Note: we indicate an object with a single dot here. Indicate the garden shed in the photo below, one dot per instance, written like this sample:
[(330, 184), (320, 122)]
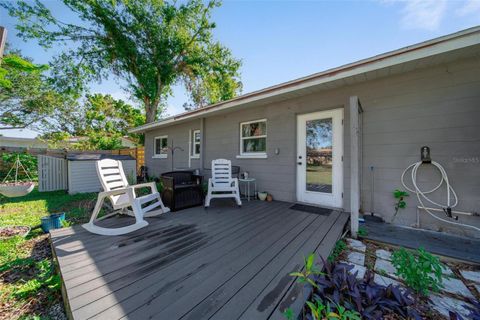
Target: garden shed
[(82, 174)]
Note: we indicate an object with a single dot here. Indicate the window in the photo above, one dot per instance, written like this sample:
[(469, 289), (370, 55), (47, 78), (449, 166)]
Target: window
[(195, 144), (253, 139), (160, 147)]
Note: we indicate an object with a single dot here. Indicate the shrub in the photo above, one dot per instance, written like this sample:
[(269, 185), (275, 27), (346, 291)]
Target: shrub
[(420, 270), (338, 294), (400, 204), (27, 160), (320, 310), (340, 246), (309, 271), (371, 300), (362, 232)]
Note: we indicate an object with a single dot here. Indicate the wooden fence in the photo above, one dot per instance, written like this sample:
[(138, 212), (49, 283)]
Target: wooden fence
[(137, 153), (52, 173)]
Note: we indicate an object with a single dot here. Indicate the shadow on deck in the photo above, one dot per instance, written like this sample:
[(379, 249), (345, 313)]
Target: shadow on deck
[(220, 263)]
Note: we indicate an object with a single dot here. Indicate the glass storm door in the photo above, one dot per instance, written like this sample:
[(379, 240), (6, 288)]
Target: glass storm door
[(319, 158)]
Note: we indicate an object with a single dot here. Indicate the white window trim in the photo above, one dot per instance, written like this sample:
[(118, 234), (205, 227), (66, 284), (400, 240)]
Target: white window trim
[(252, 155), (194, 155), (161, 155)]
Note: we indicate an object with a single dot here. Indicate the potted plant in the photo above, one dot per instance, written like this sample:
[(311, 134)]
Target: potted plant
[(262, 195)]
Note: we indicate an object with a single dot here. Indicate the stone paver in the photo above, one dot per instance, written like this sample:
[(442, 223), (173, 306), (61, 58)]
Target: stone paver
[(456, 286), (356, 268), (356, 245), (356, 258), (385, 266), (383, 254), (444, 304), (448, 272), (385, 281), (471, 275)]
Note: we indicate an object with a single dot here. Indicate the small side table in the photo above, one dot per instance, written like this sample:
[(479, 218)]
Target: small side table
[(247, 183)]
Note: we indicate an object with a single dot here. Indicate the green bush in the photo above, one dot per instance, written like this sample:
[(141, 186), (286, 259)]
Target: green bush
[(28, 161), (340, 246), (420, 270), (319, 310)]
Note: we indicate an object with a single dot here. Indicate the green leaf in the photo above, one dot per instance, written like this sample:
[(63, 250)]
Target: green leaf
[(297, 274), (310, 260)]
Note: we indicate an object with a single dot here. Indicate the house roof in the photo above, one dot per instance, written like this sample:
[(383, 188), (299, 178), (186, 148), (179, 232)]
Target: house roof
[(95, 157), (19, 139), (447, 48)]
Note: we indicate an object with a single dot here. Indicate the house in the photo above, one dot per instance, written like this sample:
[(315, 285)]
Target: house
[(342, 138), (126, 142), (18, 142)]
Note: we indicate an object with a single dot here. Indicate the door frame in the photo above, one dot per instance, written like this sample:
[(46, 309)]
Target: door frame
[(335, 199)]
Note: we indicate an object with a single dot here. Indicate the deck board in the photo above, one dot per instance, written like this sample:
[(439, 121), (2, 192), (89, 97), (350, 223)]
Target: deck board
[(220, 263)]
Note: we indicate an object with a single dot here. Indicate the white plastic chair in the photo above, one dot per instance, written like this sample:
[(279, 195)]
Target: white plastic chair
[(222, 181), (115, 185)]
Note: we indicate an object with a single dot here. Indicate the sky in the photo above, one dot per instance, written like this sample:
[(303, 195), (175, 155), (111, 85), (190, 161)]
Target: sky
[(279, 41)]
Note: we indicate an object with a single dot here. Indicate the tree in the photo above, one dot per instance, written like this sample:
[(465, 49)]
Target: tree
[(151, 44), (26, 97), (101, 121), (107, 120)]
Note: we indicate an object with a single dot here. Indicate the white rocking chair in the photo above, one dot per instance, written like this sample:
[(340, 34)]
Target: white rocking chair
[(116, 188), (222, 181)]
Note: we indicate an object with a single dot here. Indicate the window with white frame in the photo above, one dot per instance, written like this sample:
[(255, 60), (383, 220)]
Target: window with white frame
[(253, 138), (160, 145), (195, 152)]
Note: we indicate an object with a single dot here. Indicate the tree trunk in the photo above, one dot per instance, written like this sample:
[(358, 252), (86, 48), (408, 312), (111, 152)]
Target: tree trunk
[(150, 111)]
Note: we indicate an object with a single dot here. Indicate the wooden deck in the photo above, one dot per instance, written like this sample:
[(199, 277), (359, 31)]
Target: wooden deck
[(220, 263)]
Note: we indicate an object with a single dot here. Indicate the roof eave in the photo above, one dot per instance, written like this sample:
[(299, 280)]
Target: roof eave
[(458, 40)]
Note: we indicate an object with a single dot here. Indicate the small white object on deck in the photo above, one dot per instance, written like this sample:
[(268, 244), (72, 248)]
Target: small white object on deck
[(221, 184), (115, 185)]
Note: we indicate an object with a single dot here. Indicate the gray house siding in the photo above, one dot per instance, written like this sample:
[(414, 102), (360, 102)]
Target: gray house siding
[(438, 107), (179, 136), (277, 173)]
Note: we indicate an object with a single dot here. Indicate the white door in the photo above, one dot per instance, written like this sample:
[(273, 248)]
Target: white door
[(320, 158)]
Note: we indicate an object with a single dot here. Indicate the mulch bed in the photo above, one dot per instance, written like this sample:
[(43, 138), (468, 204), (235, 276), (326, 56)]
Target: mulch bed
[(44, 303), (10, 231)]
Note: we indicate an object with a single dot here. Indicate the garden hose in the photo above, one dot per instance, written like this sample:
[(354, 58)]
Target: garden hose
[(447, 208)]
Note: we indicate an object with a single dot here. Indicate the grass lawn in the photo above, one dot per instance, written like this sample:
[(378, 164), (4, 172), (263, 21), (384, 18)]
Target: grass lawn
[(319, 175), (30, 285)]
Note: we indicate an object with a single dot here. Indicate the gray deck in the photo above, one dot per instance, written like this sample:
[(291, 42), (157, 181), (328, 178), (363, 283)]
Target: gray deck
[(221, 263)]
